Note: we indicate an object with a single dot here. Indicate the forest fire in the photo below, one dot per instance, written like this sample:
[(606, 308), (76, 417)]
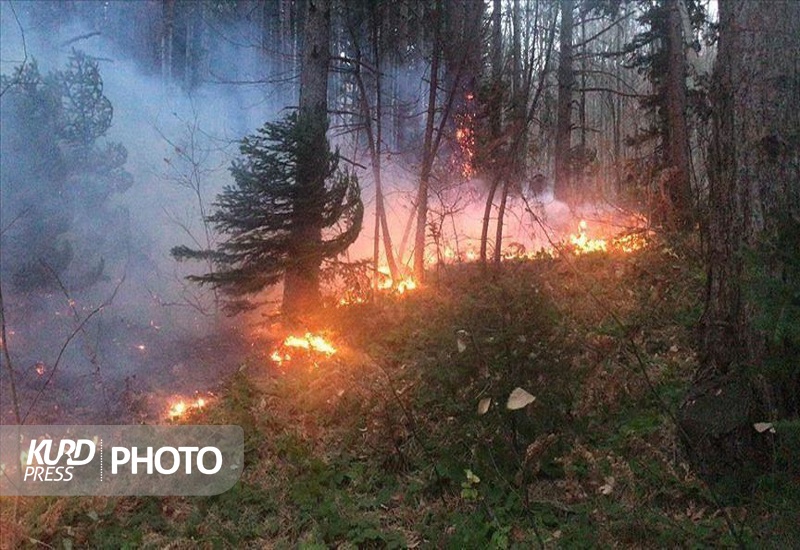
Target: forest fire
[(630, 242), (387, 284), (311, 344), (181, 406), (400, 287), (465, 138), (583, 244)]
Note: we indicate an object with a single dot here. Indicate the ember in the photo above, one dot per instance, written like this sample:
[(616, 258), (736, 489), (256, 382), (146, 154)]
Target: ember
[(180, 407)]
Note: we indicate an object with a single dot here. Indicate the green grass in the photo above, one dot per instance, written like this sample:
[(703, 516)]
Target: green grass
[(382, 445)]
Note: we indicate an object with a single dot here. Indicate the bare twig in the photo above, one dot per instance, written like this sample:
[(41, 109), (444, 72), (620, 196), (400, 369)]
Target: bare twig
[(24, 48), (69, 339), (7, 357), (15, 220), (79, 38)]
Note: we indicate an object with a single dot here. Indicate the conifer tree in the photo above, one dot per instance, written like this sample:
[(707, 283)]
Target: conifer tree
[(266, 212)]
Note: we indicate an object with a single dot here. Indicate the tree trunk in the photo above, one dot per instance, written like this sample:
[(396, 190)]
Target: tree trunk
[(167, 40), (495, 117), (514, 165), (563, 185), (679, 189), (428, 152), (301, 285), (755, 208)]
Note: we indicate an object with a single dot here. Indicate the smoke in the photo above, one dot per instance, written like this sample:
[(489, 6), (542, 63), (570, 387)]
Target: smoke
[(89, 286)]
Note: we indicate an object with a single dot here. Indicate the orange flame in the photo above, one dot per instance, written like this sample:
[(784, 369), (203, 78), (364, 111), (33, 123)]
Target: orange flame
[(180, 407), (311, 343), (386, 283), (583, 244), (465, 137)]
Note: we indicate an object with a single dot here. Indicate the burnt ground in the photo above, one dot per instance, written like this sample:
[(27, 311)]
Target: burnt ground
[(116, 372)]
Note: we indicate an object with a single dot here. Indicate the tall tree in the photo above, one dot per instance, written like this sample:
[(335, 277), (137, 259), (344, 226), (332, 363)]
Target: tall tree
[(373, 18), (290, 207), (678, 190), (751, 339), (429, 146), (301, 284), (659, 52), (566, 83), (64, 171), (495, 114)]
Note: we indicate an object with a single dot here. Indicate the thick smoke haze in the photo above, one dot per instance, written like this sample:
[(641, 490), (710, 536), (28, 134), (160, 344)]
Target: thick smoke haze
[(119, 302), (89, 286)]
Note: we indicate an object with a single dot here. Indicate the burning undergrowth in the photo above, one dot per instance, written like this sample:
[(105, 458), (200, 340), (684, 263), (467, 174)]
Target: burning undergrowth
[(400, 429), (97, 366)]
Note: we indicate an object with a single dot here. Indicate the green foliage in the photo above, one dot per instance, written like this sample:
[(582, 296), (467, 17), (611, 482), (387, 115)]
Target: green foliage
[(772, 286), (85, 113), (52, 127), (276, 220), (386, 446), (647, 53)]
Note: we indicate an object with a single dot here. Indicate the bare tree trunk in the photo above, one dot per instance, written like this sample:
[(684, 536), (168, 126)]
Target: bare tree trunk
[(755, 207), (515, 162), (167, 40), (375, 143), (487, 215), (498, 235), (495, 117), (616, 103), (563, 185), (301, 284), (428, 152), (679, 191)]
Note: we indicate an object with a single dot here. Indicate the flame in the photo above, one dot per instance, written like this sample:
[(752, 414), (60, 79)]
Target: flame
[(180, 407), (465, 137), (387, 284), (177, 409), (405, 285), (630, 242), (583, 244), (311, 343)]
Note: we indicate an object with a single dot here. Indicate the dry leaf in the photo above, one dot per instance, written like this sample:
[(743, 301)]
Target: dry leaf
[(762, 427), (519, 399), (483, 405), (461, 340), (608, 487)]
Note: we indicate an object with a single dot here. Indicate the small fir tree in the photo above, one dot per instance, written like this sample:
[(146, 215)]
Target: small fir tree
[(280, 224)]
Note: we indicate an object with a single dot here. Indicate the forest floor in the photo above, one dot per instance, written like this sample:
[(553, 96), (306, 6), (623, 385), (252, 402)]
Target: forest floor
[(403, 437)]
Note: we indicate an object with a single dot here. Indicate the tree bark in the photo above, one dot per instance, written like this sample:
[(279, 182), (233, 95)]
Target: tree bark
[(515, 163), (167, 40), (563, 180), (301, 284), (679, 189), (428, 151), (755, 207), (495, 117), (375, 142)]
